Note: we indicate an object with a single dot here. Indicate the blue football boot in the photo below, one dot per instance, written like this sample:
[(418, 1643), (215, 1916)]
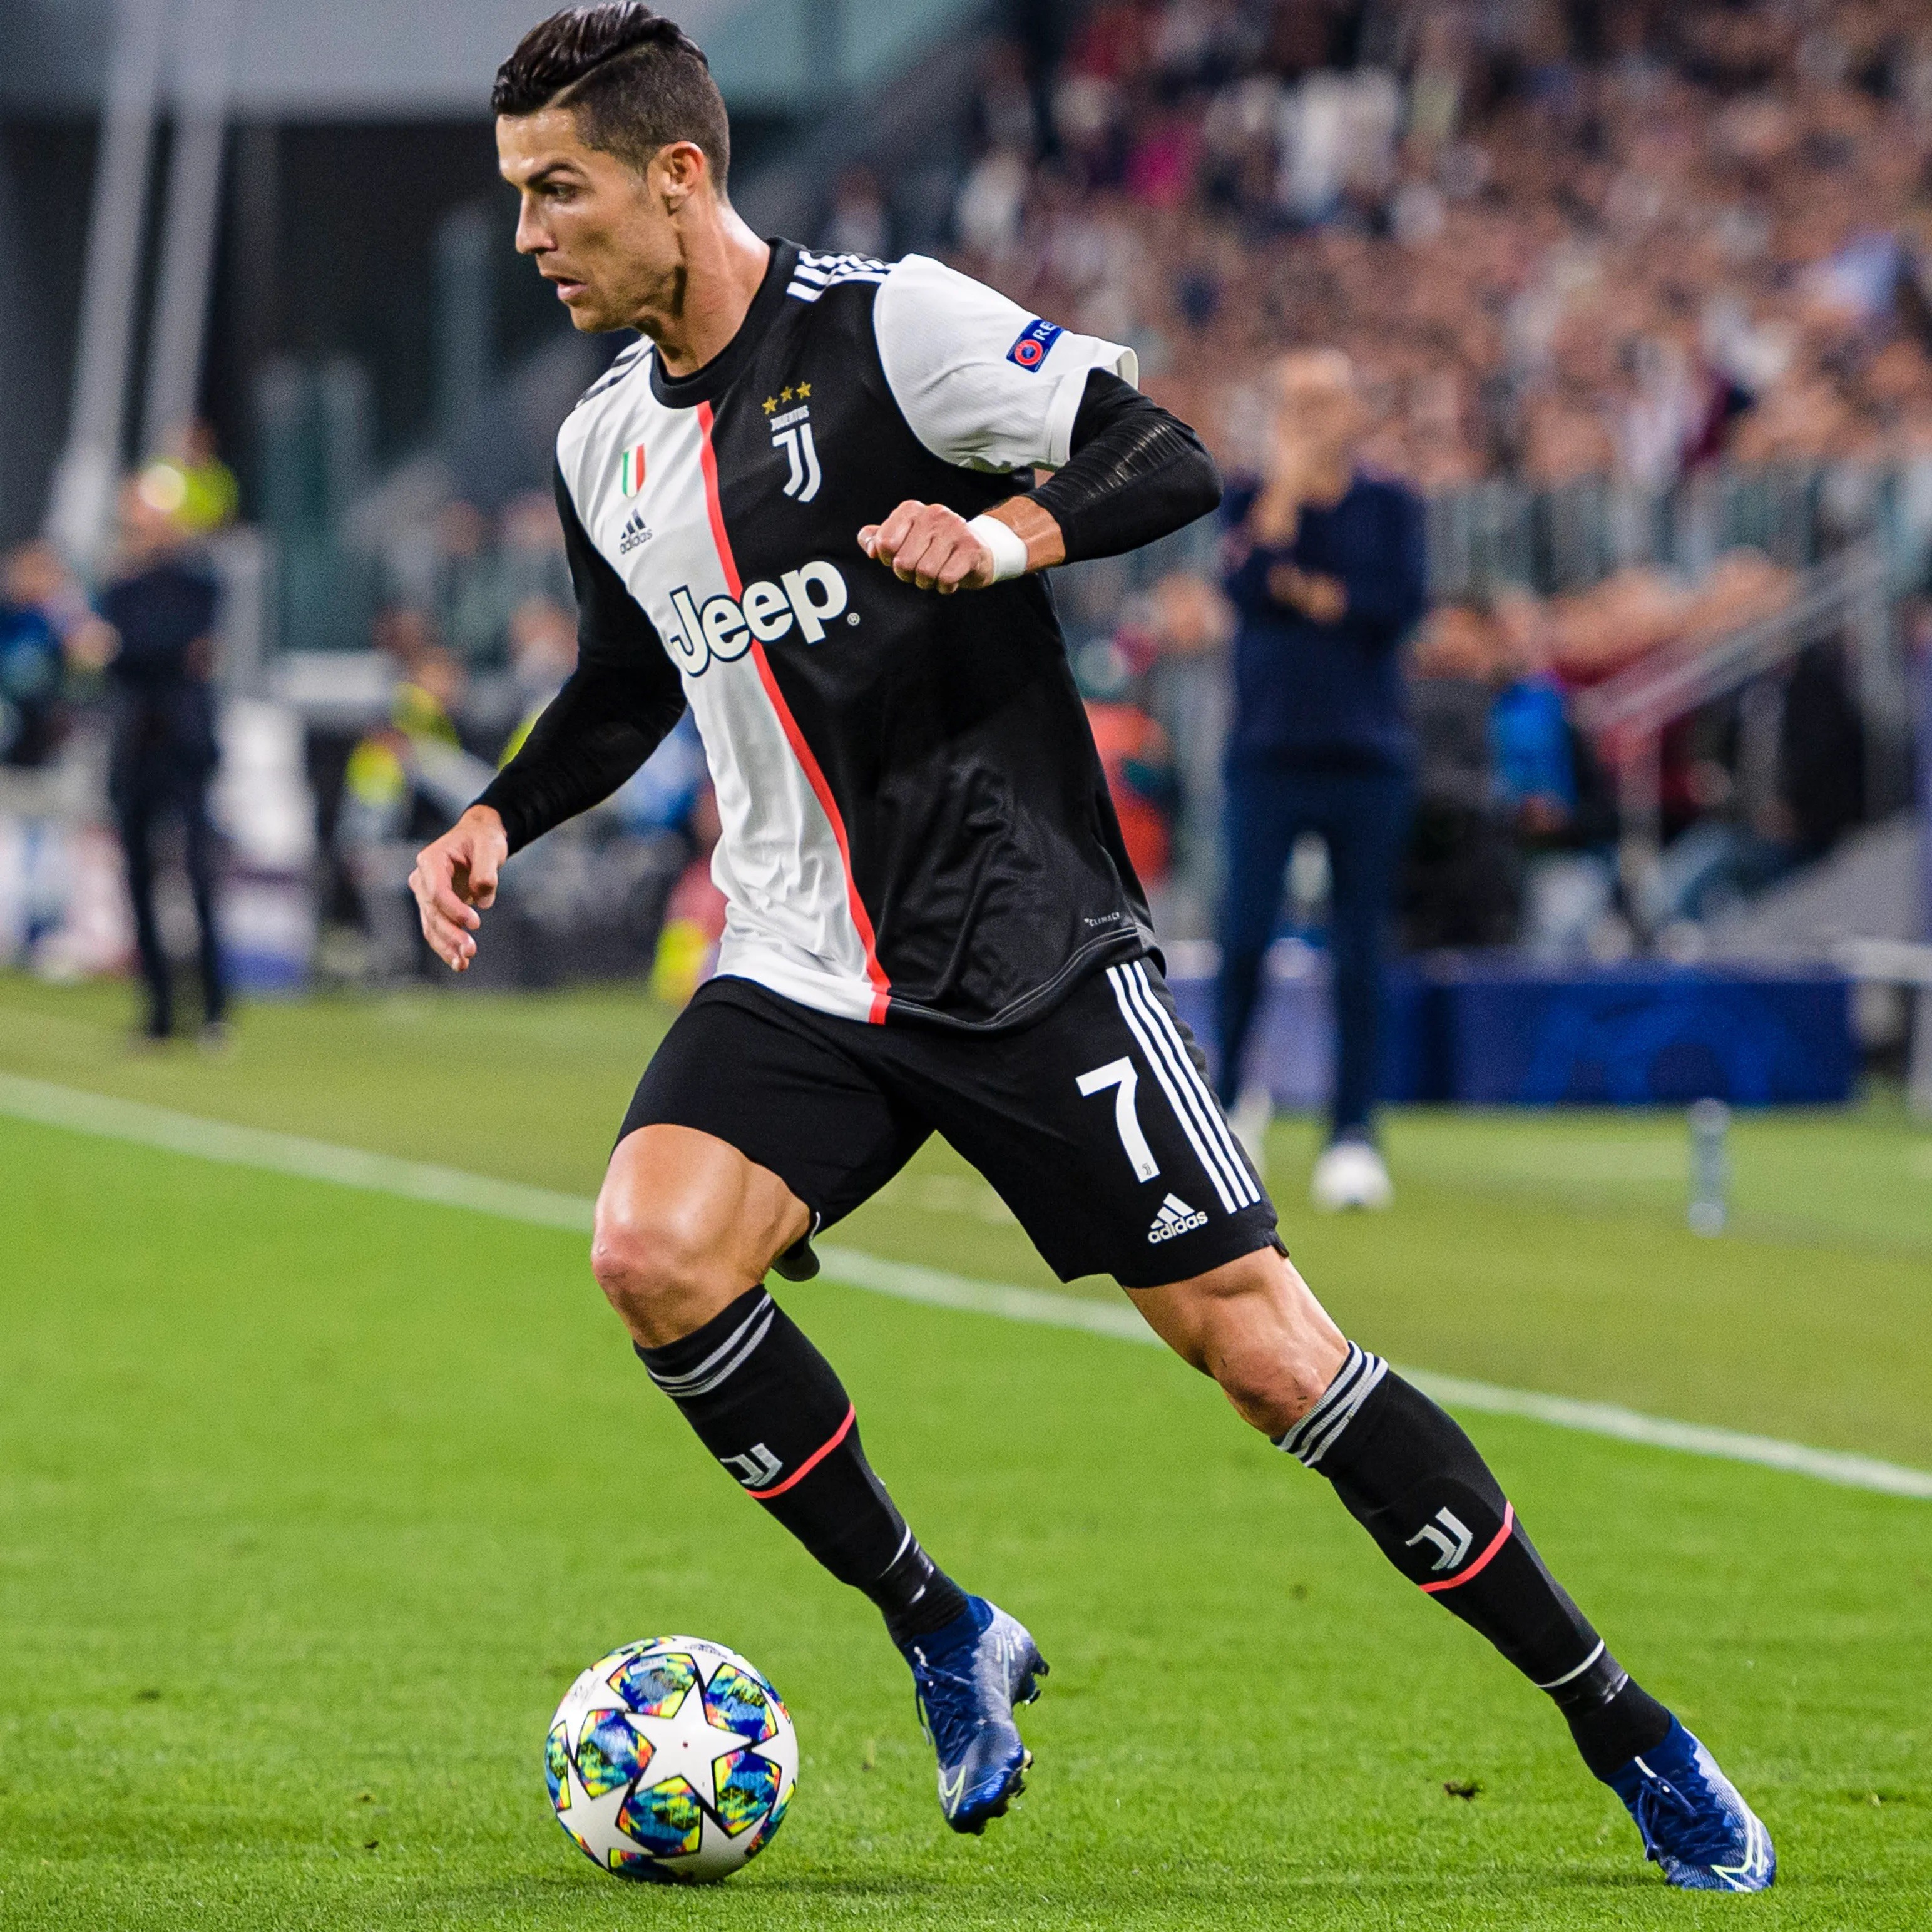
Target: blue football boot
[(969, 1675), (1694, 1824)]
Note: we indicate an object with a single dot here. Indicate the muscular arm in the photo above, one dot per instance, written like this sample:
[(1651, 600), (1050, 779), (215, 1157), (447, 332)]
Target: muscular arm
[(1136, 473), (593, 735), (613, 712)]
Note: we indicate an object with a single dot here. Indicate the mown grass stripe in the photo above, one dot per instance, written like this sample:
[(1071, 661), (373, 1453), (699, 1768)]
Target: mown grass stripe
[(49, 1105)]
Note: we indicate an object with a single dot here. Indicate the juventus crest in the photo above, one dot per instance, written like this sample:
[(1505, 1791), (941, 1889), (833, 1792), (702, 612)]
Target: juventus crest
[(789, 414)]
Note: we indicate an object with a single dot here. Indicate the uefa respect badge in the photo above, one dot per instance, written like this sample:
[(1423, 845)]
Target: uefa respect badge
[(1035, 339)]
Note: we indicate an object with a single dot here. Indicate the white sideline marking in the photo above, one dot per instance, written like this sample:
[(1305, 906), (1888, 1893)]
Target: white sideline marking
[(50, 1106), (135, 1120)]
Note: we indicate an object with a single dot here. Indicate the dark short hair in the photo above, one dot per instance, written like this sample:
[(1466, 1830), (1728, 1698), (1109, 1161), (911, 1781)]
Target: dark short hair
[(635, 81)]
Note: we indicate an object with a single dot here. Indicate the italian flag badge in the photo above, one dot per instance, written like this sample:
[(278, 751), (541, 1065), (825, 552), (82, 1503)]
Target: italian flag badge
[(630, 470)]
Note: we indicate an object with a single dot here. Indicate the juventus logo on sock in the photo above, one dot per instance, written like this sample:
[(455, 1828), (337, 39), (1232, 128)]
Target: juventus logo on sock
[(1453, 1539)]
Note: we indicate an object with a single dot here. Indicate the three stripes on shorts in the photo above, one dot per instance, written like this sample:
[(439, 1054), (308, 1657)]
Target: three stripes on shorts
[(1194, 1106)]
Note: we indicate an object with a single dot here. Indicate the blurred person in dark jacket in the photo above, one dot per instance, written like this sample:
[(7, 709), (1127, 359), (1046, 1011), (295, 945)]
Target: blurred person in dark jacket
[(1326, 568), (160, 606)]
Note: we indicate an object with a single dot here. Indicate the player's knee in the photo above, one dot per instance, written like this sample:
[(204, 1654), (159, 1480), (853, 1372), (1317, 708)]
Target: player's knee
[(1273, 1349), (1272, 1388), (649, 1258)]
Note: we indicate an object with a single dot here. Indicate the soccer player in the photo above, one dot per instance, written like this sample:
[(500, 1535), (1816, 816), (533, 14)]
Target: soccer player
[(804, 505)]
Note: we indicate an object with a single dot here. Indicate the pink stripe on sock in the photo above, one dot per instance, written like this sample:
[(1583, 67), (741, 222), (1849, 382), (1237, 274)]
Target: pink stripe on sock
[(1448, 1583), (818, 1456)]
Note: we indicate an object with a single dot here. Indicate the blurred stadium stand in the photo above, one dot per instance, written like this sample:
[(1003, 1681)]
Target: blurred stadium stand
[(1642, 296)]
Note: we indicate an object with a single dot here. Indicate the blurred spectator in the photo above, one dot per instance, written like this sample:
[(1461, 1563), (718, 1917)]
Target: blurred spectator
[(469, 610), (1326, 567), (531, 563), (33, 588), (991, 200), (31, 670), (1136, 758), (161, 604), (1004, 114), (543, 652), (1189, 625), (1821, 752), (857, 224), (404, 781), (191, 481), (1463, 881), (1731, 850), (403, 776)]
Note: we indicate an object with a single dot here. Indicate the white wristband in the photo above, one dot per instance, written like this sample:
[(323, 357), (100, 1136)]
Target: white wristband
[(1008, 546)]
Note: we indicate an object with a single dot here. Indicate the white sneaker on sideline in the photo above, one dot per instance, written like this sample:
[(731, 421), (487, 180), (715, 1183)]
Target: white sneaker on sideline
[(1351, 1174), (1253, 1112)]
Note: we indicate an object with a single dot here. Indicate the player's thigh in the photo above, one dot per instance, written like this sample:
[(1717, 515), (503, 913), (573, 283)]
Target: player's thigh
[(1098, 1128), (784, 1088)]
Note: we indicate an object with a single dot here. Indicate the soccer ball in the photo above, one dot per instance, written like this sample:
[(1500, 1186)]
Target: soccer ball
[(671, 1759)]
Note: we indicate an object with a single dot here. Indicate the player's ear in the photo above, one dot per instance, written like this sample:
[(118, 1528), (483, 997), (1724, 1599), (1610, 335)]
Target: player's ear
[(681, 169)]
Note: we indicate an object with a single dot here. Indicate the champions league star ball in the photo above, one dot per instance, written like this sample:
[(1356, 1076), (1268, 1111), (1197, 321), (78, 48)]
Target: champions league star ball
[(671, 1759)]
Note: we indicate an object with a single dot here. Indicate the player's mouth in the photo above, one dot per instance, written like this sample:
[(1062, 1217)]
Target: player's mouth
[(567, 289)]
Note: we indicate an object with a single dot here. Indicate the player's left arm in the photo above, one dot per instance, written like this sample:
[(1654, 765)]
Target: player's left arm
[(1136, 473), (985, 386)]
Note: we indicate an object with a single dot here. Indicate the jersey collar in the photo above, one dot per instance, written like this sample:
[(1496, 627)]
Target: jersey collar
[(708, 382)]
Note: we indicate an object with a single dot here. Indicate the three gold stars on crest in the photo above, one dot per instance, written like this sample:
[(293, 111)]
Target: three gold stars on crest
[(803, 391)]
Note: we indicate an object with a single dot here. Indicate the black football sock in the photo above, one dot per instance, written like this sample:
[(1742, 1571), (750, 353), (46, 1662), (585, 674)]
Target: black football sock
[(767, 1404), (1414, 1480)]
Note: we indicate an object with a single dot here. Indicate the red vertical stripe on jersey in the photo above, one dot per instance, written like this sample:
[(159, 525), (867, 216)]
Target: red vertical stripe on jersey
[(808, 763)]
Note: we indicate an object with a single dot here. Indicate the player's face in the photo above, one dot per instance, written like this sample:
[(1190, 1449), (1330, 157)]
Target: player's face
[(605, 235)]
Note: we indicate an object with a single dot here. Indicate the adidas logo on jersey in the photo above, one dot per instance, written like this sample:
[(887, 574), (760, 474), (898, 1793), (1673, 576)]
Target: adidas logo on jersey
[(1175, 1217), (808, 598), (635, 532)]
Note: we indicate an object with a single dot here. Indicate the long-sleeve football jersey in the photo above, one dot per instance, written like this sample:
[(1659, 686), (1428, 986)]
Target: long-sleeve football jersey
[(915, 822)]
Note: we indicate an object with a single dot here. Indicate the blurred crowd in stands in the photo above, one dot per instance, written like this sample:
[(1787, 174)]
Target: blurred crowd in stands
[(1558, 239)]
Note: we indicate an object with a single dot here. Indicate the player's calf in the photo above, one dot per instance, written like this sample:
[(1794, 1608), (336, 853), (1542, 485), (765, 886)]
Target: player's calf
[(1410, 1475)]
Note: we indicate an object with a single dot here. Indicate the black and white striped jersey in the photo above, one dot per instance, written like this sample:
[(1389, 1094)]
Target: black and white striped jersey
[(915, 822)]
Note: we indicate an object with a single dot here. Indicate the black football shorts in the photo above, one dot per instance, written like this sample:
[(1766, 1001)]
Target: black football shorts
[(1096, 1125)]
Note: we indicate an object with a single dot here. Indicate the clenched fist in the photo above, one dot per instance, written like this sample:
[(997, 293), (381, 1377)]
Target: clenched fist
[(929, 545)]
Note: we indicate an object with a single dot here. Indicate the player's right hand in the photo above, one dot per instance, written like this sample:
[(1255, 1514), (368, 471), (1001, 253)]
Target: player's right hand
[(930, 545), (455, 878)]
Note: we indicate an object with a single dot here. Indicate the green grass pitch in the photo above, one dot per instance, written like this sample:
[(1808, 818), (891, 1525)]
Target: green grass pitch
[(312, 1502)]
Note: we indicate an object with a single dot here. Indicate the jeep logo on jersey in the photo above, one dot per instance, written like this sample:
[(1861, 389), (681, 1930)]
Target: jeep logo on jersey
[(724, 627), (1035, 339)]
